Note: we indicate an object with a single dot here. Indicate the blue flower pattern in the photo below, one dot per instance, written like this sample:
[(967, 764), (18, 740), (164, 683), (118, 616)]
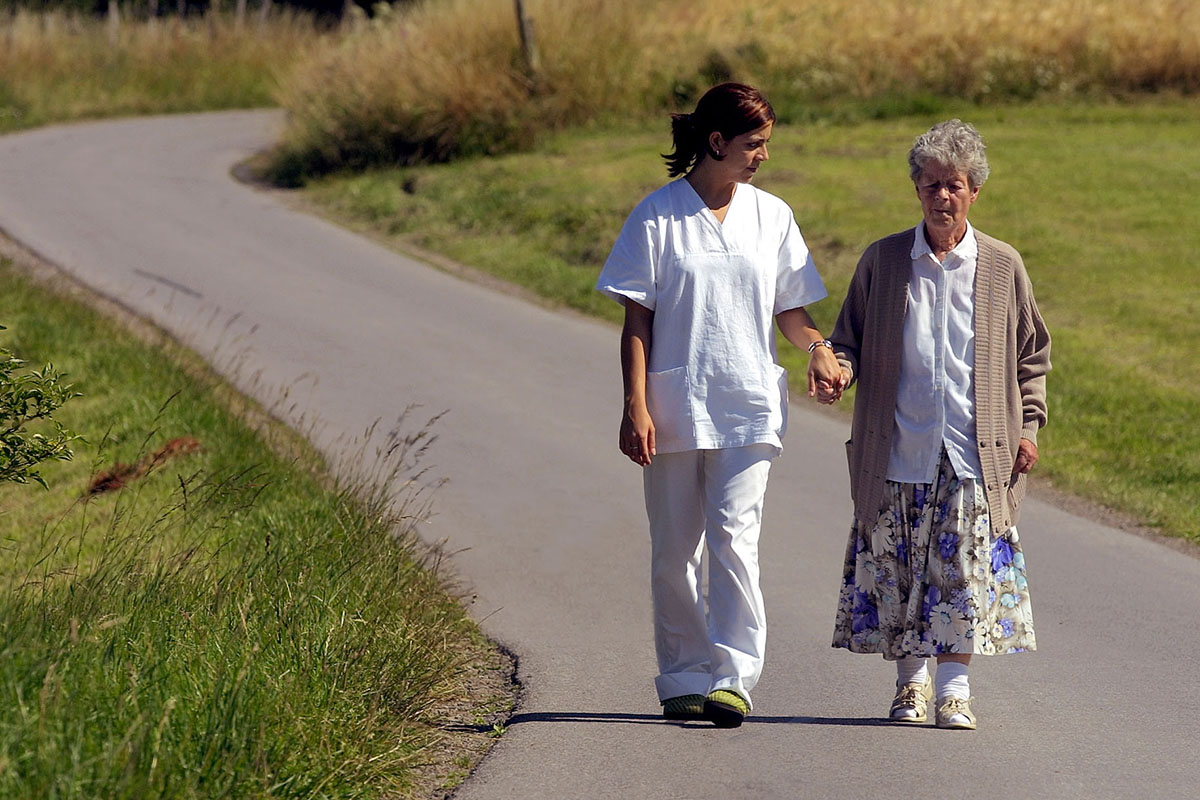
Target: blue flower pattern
[(928, 576), (866, 616), (933, 596), (948, 545), (1002, 554)]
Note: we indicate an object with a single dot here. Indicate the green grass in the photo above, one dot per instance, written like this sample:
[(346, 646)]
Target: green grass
[(234, 624), (1098, 199)]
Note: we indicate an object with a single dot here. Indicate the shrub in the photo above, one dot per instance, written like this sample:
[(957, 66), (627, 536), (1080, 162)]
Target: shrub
[(27, 399)]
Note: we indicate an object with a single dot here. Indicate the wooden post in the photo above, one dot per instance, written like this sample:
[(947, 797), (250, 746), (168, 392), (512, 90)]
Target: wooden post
[(529, 51), (114, 21)]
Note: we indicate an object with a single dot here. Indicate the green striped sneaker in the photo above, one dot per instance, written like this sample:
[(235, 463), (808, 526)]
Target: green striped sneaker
[(685, 707), (725, 709)]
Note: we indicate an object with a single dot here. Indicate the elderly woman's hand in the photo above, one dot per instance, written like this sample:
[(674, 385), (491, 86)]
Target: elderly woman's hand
[(826, 378), (828, 394), (1027, 456)]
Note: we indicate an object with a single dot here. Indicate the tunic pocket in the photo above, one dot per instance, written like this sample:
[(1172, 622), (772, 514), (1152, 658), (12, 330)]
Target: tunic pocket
[(669, 404)]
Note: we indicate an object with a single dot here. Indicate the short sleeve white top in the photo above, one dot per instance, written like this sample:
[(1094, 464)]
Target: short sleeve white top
[(713, 380)]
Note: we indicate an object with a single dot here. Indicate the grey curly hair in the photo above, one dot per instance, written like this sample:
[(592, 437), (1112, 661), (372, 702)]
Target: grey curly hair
[(954, 144)]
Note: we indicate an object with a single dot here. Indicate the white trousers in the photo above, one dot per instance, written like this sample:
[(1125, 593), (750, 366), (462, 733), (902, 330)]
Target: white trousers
[(713, 499)]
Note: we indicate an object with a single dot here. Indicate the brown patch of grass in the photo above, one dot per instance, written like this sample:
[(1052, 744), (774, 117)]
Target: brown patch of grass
[(121, 475)]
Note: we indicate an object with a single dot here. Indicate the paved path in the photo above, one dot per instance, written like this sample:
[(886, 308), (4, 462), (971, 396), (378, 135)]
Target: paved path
[(549, 516)]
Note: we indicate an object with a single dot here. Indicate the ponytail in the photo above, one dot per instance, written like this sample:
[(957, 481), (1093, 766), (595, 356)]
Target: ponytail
[(687, 145)]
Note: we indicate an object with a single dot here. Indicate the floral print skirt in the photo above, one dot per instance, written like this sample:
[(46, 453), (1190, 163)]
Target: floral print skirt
[(928, 576)]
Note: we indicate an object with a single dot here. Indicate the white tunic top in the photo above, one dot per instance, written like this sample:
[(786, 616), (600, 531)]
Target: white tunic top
[(713, 380), (935, 404)]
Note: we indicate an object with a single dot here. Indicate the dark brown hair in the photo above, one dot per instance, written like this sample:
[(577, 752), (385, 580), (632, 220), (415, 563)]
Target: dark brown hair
[(731, 109)]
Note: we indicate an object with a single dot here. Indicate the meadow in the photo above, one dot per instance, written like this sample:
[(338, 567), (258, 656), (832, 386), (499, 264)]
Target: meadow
[(235, 618), (1094, 195), (57, 66), (446, 78)]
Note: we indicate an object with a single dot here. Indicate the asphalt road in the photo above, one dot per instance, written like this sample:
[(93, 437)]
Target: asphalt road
[(548, 519)]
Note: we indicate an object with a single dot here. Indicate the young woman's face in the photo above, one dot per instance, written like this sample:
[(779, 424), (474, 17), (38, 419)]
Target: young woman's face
[(743, 154)]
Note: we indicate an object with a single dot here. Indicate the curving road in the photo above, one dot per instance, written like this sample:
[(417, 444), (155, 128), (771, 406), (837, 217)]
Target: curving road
[(548, 516)]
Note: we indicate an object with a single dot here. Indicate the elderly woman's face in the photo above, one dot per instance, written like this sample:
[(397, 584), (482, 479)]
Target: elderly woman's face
[(946, 196)]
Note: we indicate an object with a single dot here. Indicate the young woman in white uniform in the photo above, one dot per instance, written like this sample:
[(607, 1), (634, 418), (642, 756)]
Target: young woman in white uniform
[(704, 267)]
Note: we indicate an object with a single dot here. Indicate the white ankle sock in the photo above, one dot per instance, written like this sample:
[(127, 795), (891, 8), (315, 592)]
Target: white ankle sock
[(911, 670), (951, 680)]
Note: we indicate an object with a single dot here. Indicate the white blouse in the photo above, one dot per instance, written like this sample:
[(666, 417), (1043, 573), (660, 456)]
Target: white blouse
[(713, 380), (935, 404)]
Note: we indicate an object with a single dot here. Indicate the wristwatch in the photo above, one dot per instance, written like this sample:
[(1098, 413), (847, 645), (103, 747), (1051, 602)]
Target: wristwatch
[(820, 343)]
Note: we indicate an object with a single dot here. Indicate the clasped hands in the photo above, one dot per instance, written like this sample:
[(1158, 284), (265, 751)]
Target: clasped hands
[(827, 379)]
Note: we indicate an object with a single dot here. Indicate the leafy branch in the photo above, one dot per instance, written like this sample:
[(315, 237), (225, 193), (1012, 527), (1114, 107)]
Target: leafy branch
[(27, 398)]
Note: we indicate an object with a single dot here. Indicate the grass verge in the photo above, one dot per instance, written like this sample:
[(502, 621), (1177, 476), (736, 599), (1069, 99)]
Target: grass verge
[(231, 623), (1094, 196)]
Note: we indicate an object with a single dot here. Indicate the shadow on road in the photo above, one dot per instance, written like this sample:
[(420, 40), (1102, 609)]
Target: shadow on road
[(655, 719)]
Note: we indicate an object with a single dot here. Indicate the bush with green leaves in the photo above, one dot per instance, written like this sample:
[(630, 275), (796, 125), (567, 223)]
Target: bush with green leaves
[(28, 401)]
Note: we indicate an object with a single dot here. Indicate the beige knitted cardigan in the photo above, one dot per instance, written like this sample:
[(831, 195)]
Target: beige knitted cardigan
[(1012, 357)]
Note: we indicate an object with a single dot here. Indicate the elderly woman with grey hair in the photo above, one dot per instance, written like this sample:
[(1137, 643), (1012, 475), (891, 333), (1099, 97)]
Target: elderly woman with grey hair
[(941, 333)]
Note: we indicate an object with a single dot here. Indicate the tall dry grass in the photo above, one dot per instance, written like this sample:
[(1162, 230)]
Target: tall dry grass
[(58, 66), (429, 81), (442, 78), (996, 49)]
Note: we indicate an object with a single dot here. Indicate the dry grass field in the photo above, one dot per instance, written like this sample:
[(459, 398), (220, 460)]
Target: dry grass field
[(439, 79), (57, 66)]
